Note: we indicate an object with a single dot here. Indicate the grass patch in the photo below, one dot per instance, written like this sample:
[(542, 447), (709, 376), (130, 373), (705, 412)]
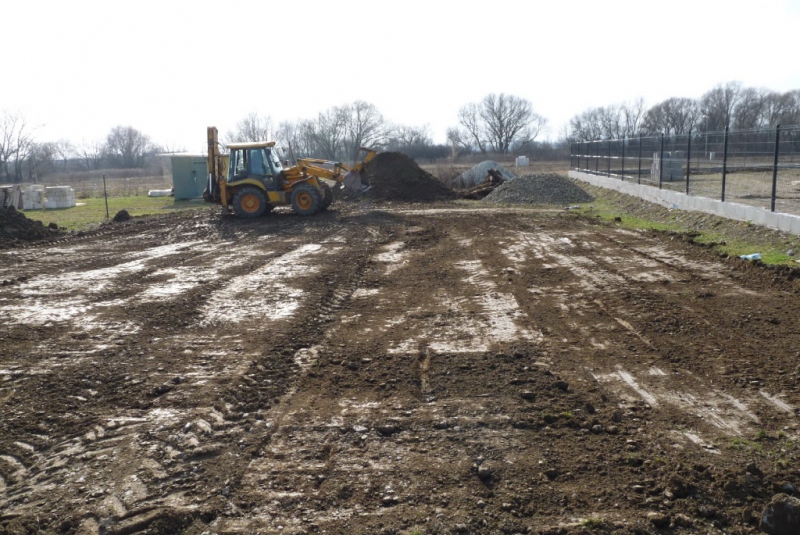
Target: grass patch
[(605, 211), (771, 253), (93, 211), (594, 523)]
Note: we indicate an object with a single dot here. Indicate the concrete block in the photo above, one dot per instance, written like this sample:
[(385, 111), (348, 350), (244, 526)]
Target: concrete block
[(59, 197), (681, 201)]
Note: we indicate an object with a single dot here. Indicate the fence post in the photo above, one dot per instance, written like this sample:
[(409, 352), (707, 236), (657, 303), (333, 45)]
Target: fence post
[(608, 169), (688, 161), (639, 175), (775, 166), (597, 158), (661, 162), (622, 173), (586, 153), (724, 163), (105, 194)]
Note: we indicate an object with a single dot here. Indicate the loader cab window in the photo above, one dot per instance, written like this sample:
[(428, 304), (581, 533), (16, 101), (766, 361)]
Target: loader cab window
[(257, 163), (250, 162), (276, 162)]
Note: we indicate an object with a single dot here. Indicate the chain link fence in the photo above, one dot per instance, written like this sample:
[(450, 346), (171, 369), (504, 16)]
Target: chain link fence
[(758, 167)]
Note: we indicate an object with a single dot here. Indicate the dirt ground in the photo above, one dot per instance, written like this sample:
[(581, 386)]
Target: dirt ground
[(392, 369)]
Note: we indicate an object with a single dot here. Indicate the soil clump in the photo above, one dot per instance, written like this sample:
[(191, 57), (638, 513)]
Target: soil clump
[(547, 188), (15, 227), (122, 216), (393, 176)]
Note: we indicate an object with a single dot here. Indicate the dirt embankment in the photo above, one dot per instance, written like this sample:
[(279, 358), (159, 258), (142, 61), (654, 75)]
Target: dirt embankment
[(15, 227), (396, 177)]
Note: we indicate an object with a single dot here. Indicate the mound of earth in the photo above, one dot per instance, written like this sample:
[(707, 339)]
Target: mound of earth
[(477, 174), (396, 177), (15, 227), (539, 189)]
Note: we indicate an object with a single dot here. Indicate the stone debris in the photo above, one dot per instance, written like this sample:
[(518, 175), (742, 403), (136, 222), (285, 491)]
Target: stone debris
[(477, 174), (539, 189), (781, 516)]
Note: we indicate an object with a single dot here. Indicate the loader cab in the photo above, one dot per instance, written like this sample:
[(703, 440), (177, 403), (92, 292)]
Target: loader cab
[(257, 161)]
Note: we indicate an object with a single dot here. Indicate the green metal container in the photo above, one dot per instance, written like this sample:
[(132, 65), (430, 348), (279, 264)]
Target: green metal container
[(189, 174)]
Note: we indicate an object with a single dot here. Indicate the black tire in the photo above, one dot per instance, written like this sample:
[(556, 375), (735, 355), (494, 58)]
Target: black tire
[(306, 199), (249, 202), (327, 197), (268, 208)]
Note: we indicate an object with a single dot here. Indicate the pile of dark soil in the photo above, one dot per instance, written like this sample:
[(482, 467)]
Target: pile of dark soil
[(547, 188), (15, 227), (396, 177)]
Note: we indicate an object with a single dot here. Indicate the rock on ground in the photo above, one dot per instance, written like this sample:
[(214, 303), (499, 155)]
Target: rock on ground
[(781, 516), (539, 189)]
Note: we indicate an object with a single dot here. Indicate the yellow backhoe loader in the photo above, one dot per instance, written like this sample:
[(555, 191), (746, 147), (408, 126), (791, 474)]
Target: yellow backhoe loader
[(251, 180)]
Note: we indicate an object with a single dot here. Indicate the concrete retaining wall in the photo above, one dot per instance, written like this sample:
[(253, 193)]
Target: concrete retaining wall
[(681, 201)]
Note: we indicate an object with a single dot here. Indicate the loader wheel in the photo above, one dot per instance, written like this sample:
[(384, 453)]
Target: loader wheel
[(306, 200), (249, 202), (327, 197)]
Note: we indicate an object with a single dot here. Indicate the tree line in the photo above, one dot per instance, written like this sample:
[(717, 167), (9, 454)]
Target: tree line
[(23, 158), (729, 105), (497, 124)]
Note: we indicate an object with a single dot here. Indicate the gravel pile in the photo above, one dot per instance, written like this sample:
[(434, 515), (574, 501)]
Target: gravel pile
[(538, 189), (477, 174), (393, 176)]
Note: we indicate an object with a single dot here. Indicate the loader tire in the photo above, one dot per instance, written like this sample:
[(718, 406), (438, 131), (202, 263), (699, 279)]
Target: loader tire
[(327, 197), (306, 200), (249, 202)]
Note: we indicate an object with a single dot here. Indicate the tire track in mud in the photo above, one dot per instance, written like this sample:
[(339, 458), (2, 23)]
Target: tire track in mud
[(643, 300), (206, 432), (401, 395)]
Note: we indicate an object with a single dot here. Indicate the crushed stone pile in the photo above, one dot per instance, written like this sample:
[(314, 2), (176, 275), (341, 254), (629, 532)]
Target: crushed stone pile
[(477, 174), (15, 227), (393, 176), (539, 189)]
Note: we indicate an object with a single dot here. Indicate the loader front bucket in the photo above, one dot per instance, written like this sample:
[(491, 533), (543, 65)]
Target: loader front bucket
[(353, 184)]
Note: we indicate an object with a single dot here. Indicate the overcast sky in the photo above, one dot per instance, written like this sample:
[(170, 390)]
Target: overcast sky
[(75, 69)]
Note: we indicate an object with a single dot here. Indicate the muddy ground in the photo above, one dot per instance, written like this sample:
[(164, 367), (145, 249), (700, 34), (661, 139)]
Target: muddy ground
[(445, 369)]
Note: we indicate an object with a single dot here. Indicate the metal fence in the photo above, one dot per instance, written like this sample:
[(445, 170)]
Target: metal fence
[(759, 167)]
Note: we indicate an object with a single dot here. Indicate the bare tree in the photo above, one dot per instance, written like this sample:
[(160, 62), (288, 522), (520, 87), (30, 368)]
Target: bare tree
[(15, 145), (253, 127), (633, 115), (587, 125), (90, 153), (329, 131), (406, 136), (41, 160), (364, 126), (719, 104), (459, 141), (298, 135), (127, 147), (471, 126), (674, 116), (501, 122), (64, 149)]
